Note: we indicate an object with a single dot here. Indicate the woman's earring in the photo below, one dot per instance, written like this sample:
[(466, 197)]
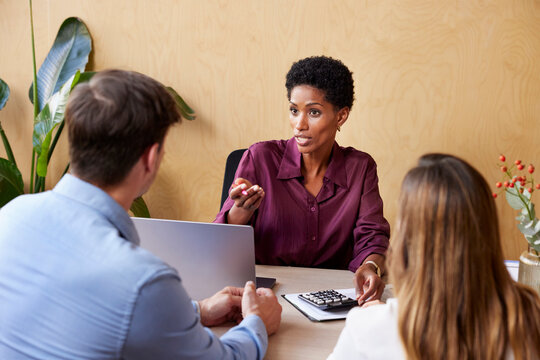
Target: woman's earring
[(338, 128)]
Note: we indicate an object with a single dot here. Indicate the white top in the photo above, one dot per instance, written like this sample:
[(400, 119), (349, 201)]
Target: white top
[(370, 333)]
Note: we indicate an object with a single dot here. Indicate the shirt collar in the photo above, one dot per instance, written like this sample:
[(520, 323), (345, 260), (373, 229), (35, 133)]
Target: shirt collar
[(83, 192), (337, 169), (290, 166)]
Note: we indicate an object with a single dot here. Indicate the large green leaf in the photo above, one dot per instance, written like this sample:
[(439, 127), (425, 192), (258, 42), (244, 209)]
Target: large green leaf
[(139, 208), (86, 76), (11, 182), (185, 111), (47, 120), (4, 93), (42, 162), (68, 55)]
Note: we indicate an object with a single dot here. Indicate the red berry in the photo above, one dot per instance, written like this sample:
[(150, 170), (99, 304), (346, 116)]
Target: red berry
[(521, 190), (530, 190), (494, 195), (506, 184), (522, 183), (502, 158), (511, 185), (503, 168), (514, 179), (520, 167), (537, 186), (499, 184), (517, 162), (530, 169)]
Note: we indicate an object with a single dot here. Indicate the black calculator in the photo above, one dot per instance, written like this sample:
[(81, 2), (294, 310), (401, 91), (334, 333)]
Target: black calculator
[(328, 299)]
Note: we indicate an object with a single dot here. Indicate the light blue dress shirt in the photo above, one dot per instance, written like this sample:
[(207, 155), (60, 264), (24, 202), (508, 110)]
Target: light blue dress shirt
[(74, 284)]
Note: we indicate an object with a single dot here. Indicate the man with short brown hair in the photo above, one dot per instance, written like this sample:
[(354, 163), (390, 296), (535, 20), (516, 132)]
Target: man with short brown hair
[(74, 284)]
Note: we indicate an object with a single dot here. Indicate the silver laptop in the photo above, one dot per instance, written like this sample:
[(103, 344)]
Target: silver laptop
[(208, 256)]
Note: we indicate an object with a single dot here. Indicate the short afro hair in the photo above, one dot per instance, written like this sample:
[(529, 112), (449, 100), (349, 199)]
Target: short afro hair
[(326, 74)]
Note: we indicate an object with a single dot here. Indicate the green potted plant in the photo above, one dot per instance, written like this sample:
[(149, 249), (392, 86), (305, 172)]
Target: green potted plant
[(518, 186), (62, 69)]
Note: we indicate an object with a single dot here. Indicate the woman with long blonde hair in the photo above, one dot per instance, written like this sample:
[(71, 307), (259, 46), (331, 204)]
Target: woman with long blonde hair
[(454, 296)]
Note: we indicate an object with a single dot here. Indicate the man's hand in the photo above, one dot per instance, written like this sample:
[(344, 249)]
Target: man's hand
[(223, 306), (369, 286), (263, 303)]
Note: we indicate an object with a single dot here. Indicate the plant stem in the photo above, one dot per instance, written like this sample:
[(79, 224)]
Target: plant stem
[(9, 152), (34, 88), (34, 93), (32, 171), (66, 169), (36, 183), (40, 184), (55, 140)]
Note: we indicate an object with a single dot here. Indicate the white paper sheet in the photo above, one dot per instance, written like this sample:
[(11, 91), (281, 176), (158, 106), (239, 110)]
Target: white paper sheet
[(513, 268), (315, 314)]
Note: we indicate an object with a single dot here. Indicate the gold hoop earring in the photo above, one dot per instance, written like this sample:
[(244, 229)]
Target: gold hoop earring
[(338, 128)]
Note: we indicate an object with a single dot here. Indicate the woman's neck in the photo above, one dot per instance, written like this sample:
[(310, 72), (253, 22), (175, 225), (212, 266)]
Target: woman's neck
[(315, 164), (314, 167)]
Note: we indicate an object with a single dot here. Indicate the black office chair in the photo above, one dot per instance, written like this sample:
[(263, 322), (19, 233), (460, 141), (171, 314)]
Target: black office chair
[(230, 169)]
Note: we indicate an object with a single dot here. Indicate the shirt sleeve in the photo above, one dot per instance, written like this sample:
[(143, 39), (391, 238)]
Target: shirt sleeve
[(166, 326), (372, 231), (247, 170)]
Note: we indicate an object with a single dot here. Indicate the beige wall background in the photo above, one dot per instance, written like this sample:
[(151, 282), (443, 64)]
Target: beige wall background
[(461, 77)]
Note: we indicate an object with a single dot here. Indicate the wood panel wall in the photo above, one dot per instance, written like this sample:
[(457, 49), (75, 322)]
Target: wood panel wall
[(453, 76)]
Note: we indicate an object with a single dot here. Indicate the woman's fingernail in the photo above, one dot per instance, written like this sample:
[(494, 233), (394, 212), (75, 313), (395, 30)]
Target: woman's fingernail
[(244, 192), (256, 188)]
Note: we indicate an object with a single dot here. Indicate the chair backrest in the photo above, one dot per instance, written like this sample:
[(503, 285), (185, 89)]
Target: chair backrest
[(230, 169)]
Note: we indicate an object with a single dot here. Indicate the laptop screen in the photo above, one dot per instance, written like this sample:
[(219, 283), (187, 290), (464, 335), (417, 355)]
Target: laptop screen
[(207, 256)]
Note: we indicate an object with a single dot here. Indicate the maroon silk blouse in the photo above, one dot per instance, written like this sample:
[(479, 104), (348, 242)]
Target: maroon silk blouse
[(337, 229)]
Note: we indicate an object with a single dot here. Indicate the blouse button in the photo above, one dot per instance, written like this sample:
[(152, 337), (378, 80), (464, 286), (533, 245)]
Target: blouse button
[(313, 209), (313, 238)]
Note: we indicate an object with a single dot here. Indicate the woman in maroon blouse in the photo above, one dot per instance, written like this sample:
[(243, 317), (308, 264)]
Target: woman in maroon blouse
[(310, 201)]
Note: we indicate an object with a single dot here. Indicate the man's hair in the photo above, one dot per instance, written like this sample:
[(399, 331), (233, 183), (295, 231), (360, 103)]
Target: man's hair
[(326, 74), (456, 298), (112, 120)]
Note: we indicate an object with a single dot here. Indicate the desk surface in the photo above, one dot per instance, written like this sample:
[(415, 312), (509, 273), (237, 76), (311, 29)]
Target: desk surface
[(298, 337)]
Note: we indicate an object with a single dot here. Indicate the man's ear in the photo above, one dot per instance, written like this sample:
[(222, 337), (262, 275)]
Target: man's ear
[(343, 115), (151, 157)]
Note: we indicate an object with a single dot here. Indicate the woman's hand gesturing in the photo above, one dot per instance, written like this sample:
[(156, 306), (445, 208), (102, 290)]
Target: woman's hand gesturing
[(247, 198)]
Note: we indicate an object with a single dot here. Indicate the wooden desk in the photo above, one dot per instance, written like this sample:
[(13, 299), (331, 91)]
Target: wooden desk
[(298, 337)]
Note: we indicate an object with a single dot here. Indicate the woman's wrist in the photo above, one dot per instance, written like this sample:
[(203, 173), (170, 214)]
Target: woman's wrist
[(239, 216), (375, 262), (374, 266)]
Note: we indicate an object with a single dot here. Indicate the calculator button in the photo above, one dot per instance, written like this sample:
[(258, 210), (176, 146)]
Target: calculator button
[(327, 299)]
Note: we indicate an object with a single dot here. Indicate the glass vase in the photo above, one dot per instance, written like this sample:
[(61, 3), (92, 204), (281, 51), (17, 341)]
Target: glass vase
[(529, 269)]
